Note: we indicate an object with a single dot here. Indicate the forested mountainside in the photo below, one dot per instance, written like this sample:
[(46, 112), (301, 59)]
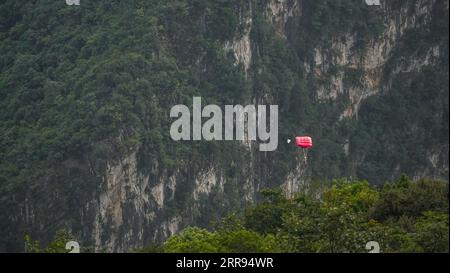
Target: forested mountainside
[(86, 92)]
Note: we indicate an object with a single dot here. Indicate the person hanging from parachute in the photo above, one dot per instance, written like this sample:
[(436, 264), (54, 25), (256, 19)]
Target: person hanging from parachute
[(306, 143)]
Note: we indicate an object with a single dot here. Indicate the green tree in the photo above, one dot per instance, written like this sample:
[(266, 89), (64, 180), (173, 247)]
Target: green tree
[(57, 245), (431, 232), (193, 240)]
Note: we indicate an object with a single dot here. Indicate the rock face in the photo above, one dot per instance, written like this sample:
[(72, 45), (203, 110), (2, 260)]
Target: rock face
[(373, 60), (241, 45), (278, 12), (127, 192), (130, 207)]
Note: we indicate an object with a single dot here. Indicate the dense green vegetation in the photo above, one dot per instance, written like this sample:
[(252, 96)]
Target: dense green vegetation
[(403, 216), (341, 216), (81, 87)]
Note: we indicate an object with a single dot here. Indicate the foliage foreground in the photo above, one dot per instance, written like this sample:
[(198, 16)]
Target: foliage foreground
[(341, 217)]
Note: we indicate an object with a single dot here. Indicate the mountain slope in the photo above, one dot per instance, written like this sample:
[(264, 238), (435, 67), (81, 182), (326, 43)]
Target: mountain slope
[(86, 91)]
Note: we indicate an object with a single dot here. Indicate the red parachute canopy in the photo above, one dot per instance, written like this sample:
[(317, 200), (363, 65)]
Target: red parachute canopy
[(304, 142)]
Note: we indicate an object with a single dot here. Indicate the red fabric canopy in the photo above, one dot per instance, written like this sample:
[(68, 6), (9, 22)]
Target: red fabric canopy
[(304, 142)]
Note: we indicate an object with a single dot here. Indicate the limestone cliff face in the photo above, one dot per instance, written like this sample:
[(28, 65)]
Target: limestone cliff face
[(331, 66), (129, 206), (370, 62), (132, 208), (278, 12), (373, 60), (241, 45)]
